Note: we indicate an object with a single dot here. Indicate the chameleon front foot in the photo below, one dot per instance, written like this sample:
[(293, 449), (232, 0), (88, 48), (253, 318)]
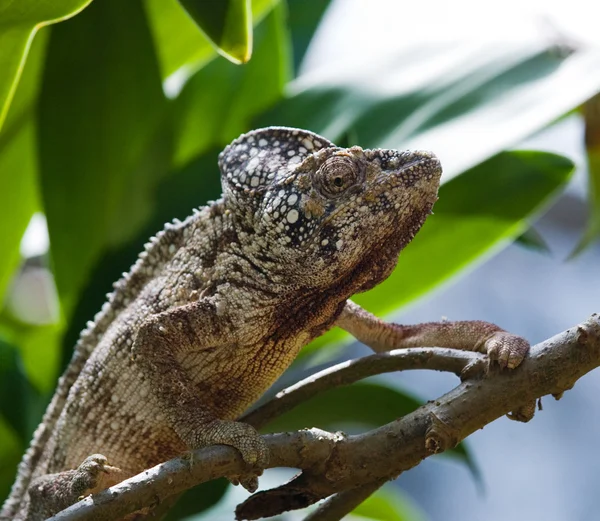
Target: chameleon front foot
[(507, 349), (90, 475), (242, 437)]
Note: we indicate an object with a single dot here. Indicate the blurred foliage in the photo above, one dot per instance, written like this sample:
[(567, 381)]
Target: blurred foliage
[(387, 505), (591, 114), (110, 137)]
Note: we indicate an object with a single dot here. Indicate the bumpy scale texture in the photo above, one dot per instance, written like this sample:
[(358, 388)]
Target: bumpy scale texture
[(218, 306)]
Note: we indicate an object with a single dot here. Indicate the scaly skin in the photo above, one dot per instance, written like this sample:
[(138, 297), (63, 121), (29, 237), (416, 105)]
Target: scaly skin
[(218, 306)]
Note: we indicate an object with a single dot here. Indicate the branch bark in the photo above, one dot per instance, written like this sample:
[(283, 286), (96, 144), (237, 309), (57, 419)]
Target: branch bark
[(334, 463)]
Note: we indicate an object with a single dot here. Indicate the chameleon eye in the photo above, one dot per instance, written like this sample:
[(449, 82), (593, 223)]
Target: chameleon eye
[(337, 175)]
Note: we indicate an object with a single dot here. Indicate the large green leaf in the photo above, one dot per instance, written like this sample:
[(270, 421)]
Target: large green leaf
[(218, 102), (178, 41), (18, 165), (19, 21), (103, 137), (466, 103), (477, 213)]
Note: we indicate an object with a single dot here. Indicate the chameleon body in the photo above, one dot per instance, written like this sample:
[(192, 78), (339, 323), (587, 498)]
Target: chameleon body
[(218, 306)]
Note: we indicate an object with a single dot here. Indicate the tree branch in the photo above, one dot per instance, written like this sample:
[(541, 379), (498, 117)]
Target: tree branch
[(334, 463)]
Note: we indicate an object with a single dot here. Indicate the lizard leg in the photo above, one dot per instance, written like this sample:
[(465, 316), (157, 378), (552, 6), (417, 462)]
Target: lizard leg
[(473, 335), (52, 493), (159, 344)]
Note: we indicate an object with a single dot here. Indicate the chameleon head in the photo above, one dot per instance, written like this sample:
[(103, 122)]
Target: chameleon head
[(329, 212)]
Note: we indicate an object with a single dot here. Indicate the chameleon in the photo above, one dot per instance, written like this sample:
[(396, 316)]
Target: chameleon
[(217, 307)]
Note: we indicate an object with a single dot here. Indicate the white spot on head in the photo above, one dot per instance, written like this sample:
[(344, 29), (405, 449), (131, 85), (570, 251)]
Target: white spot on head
[(291, 152), (254, 181), (292, 216), (292, 199), (324, 242), (252, 164), (171, 249), (339, 244), (308, 143), (262, 143)]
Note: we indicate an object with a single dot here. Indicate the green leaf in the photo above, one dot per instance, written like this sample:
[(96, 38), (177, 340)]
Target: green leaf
[(465, 104), (591, 111), (227, 24), (477, 213), (532, 239), (177, 39), (366, 405), (18, 165), (19, 21), (11, 449), (219, 101), (19, 400), (347, 407), (103, 137), (388, 505), (198, 499)]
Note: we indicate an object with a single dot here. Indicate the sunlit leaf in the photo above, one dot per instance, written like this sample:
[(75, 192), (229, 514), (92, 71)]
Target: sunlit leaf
[(219, 101), (477, 213), (18, 165), (19, 21), (103, 136), (466, 103), (227, 24), (177, 38)]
